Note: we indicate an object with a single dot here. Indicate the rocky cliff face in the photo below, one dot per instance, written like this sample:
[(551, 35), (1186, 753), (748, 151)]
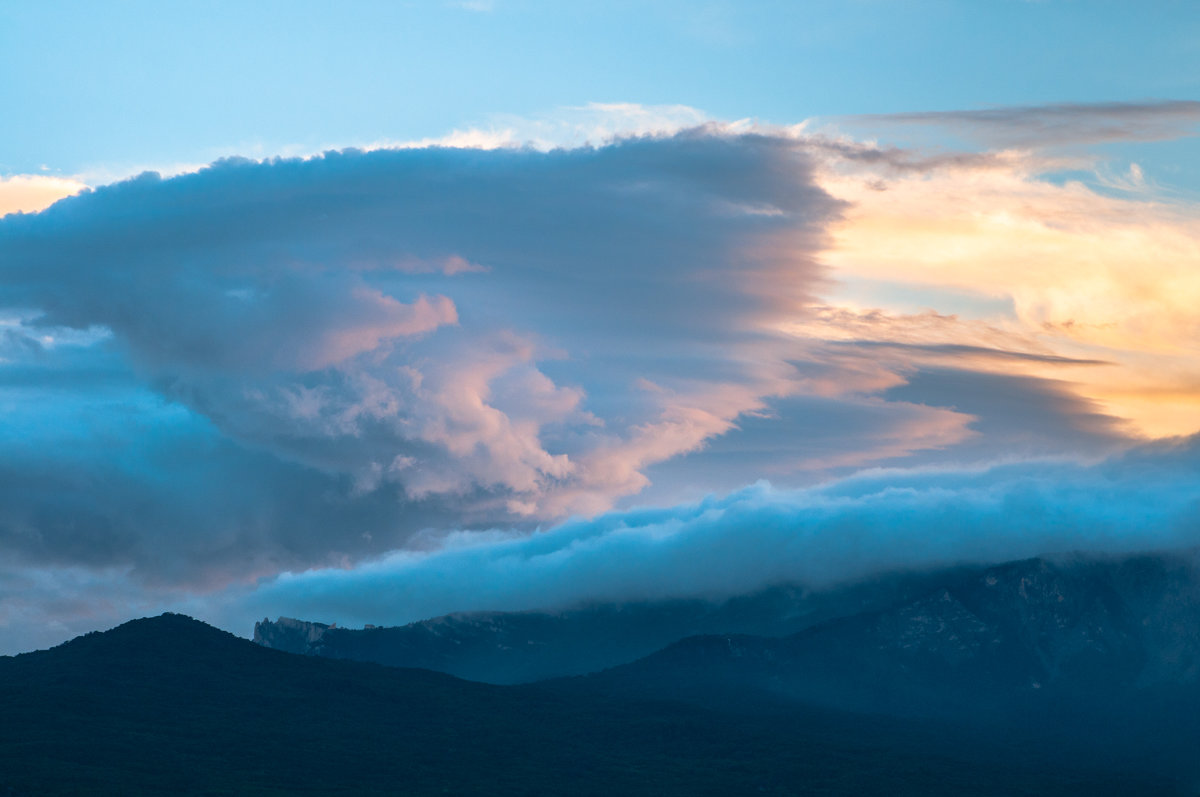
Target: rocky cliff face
[(291, 636)]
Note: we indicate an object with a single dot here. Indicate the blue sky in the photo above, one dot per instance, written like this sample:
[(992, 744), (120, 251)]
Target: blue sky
[(142, 83), (366, 312)]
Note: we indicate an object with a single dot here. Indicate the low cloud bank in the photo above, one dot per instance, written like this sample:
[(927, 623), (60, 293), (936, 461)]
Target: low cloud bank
[(1146, 499)]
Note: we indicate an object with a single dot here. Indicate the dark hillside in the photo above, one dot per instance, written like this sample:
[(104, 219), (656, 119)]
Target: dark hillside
[(169, 705), (1102, 654)]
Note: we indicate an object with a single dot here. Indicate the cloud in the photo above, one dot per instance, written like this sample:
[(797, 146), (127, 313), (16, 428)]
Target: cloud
[(377, 343), (818, 537), (891, 160), (115, 478), (1061, 124), (43, 607), (804, 439), (1078, 274), (1037, 417), (591, 124)]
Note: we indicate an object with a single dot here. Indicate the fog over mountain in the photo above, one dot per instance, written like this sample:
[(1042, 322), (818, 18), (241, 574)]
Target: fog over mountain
[(818, 538)]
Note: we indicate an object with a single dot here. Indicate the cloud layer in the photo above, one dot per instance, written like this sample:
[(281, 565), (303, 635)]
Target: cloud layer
[(819, 538), (758, 536)]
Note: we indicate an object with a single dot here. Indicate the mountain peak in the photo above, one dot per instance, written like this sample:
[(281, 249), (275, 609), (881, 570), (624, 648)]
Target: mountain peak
[(165, 637), (288, 634)]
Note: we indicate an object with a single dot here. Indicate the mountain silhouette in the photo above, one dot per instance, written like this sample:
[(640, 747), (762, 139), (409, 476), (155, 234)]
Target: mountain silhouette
[(169, 705), (1102, 653)]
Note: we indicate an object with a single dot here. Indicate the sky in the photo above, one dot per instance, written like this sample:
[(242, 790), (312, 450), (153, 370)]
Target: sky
[(364, 313)]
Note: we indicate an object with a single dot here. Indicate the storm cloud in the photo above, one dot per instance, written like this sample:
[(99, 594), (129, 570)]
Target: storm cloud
[(379, 342)]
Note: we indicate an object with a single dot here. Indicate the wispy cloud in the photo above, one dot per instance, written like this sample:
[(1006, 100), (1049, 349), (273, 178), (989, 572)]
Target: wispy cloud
[(1061, 124)]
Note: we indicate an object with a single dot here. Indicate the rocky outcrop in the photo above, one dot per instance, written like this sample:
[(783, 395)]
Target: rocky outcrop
[(289, 635)]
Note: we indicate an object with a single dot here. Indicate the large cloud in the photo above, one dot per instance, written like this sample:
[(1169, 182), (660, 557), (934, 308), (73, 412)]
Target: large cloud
[(277, 366), (380, 342)]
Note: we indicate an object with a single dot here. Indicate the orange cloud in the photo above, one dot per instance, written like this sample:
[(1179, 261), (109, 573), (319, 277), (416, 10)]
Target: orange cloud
[(29, 193), (1087, 275)]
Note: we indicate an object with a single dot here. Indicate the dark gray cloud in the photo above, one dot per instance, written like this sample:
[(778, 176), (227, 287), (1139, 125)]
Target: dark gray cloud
[(121, 479), (1060, 124), (802, 440), (939, 416), (962, 349), (900, 160), (1034, 417)]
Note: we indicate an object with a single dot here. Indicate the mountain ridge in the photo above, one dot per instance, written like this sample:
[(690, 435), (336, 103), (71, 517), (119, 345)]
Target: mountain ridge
[(528, 646), (168, 705), (513, 647)]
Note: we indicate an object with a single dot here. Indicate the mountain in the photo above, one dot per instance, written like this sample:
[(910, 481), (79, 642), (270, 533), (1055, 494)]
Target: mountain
[(1106, 651), (521, 647), (168, 705), (1055, 624)]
